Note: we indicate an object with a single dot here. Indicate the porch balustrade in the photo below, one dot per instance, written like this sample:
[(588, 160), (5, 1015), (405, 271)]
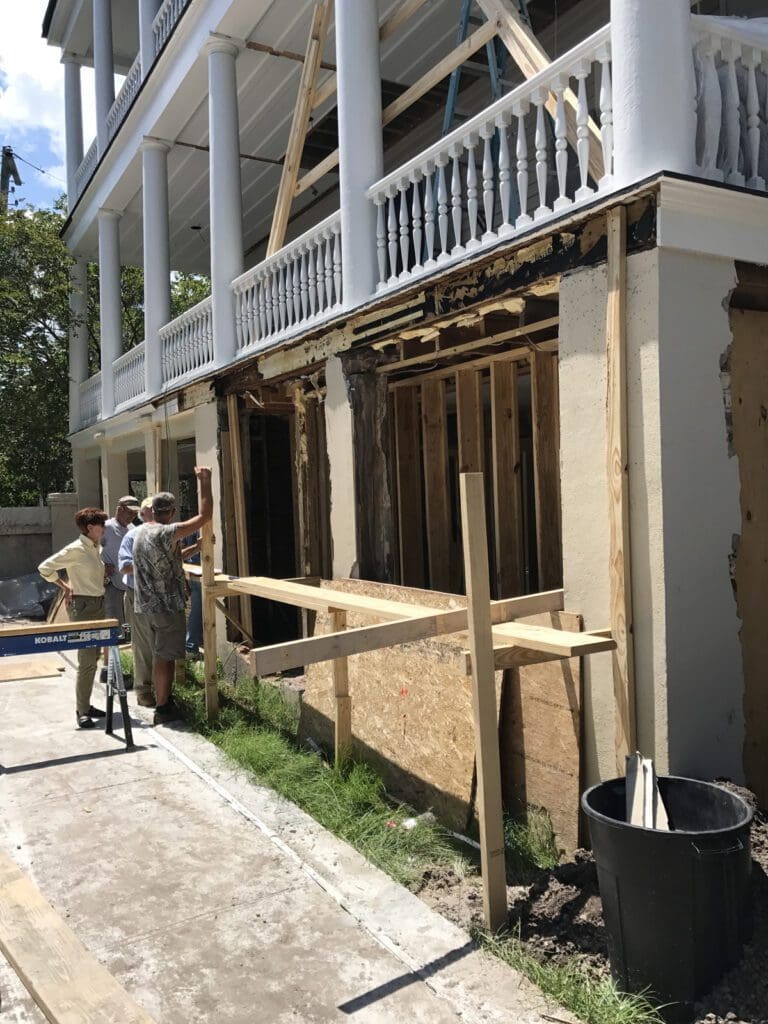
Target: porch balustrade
[(85, 170), (297, 287), (129, 376), (165, 21), (187, 344), (125, 97), (90, 400)]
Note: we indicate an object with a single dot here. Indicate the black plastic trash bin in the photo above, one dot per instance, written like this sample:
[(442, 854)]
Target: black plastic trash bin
[(675, 904)]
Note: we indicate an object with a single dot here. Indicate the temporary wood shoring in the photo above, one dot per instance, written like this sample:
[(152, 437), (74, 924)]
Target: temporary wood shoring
[(238, 496), (409, 491), (434, 428), (507, 490), (546, 462), (618, 484), (210, 660)]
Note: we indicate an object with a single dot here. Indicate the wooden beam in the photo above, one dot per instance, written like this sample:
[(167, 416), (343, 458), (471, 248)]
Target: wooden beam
[(618, 486), (342, 732), (507, 491), (273, 51), (235, 622), (531, 57), (436, 493), (57, 627), (238, 498), (472, 494), (546, 464), (65, 980), (469, 408), (409, 489), (301, 480), (299, 125), (481, 363), (210, 660), (518, 657)]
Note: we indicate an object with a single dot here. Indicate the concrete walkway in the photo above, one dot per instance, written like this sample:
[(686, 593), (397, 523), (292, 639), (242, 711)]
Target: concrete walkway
[(212, 900)]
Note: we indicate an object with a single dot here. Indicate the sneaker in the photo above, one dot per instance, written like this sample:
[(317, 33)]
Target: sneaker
[(103, 675), (84, 722), (166, 713), (96, 712), (146, 700)]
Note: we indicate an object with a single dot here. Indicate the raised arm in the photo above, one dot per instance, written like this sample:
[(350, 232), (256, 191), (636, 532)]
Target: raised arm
[(205, 505)]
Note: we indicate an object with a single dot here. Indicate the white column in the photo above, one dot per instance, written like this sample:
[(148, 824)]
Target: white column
[(157, 257), (341, 470), (78, 337), (147, 11), (103, 63), (110, 310), (654, 113), (361, 157), (73, 119), (225, 195)]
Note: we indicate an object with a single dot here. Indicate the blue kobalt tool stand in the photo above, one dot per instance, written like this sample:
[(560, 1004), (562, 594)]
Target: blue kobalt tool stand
[(72, 636)]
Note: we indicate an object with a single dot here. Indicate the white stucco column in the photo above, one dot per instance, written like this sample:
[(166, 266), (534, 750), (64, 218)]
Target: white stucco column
[(78, 337), (226, 203), (87, 477), (653, 88), (341, 470), (157, 257), (73, 119), (361, 157), (104, 68), (147, 11), (110, 310)]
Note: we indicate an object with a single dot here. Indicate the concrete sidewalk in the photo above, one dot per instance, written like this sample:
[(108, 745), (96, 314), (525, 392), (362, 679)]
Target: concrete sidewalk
[(212, 900)]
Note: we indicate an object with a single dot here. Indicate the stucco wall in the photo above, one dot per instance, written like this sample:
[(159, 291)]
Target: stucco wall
[(25, 539)]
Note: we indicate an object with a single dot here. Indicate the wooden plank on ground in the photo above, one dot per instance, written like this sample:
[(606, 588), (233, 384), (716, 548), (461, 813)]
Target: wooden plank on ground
[(210, 660), (238, 497), (507, 499), (30, 666), (618, 487), (436, 493), (546, 466), (409, 489), (65, 980), (342, 734), (301, 114), (472, 492), (470, 421)]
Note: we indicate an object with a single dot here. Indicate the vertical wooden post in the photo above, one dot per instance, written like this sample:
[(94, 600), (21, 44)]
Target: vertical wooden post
[(546, 467), (209, 625), (470, 421), (409, 490), (238, 489), (436, 494), (507, 500), (484, 700), (343, 723), (618, 486)]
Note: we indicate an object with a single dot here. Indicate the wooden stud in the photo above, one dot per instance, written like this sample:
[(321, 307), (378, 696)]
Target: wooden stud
[(546, 462), (618, 486), (210, 660), (515, 355), (507, 491), (472, 493), (409, 492), (343, 722), (238, 497), (436, 494), (299, 125), (301, 479), (235, 622), (469, 407)]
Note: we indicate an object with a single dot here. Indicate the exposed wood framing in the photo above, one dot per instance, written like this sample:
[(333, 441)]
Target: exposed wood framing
[(481, 363), (546, 463), (409, 490), (618, 484), (238, 500), (343, 720), (469, 407), (507, 490), (235, 622), (472, 492), (300, 452), (436, 493), (210, 661), (299, 125)]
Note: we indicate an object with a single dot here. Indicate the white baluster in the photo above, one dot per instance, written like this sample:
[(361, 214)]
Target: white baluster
[(337, 282), (280, 272), (751, 60), (470, 145), (731, 51), (416, 221), (561, 144), (312, 281), (489, 191), (405, 227), (329, 236), (304, 286), (296, 284), (381, 239), (505, 174), (539, 98), (269, 304), (275, 301), (709, 115), (456, 211), (606, 116), (521, 152), (262, 308), (320, 276), (429, 214), (582, 71), (442, 208), (392, 233)]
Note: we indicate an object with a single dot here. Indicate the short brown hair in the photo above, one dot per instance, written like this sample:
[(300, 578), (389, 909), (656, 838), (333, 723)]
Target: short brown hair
[(89, 517)]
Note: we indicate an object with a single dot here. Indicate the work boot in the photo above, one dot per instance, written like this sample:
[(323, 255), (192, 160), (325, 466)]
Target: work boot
[(166, 713), (146, 699), (83, 722)]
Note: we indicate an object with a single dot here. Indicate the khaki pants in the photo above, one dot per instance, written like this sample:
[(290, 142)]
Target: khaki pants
[(141, 648), (81, 610)]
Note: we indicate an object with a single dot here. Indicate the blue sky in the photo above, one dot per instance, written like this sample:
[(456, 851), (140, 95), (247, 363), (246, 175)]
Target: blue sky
[(32, 104)]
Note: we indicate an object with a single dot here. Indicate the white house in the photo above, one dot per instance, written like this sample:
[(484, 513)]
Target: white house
[(410, 276)]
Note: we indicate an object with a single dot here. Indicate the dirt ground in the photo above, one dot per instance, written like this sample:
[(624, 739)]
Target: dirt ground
[(559, 915)]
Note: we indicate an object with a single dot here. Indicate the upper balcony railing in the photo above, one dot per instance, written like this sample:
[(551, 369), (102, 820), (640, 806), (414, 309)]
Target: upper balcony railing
[(90, 400), (165, 21), (187, 344), (129, 375), (125, 97), (297, 287), (84, 171), (436, 208)]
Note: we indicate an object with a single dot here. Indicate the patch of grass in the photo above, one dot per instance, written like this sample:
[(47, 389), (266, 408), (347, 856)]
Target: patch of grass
[(126, 663), (530, 845), (593, 998)]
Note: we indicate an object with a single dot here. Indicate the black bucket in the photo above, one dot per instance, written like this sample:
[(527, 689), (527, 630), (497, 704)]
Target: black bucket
[(675, 904)]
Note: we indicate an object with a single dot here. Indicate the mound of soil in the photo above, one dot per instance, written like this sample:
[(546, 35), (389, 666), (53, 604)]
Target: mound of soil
[(559, 917)]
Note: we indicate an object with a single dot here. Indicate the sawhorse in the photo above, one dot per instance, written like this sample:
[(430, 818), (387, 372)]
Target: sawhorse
[(73, 636)]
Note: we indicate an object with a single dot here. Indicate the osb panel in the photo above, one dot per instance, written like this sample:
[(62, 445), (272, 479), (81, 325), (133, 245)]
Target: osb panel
[(749, 388), (540, 730), (411, 708)]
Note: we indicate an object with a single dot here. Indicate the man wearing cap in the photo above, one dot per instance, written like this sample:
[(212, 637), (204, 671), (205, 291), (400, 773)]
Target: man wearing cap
[(159, 585), (114, 531), (141, 637)]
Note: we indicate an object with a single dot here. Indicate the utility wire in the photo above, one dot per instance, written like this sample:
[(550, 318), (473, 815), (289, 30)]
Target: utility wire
[(36, 168)]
